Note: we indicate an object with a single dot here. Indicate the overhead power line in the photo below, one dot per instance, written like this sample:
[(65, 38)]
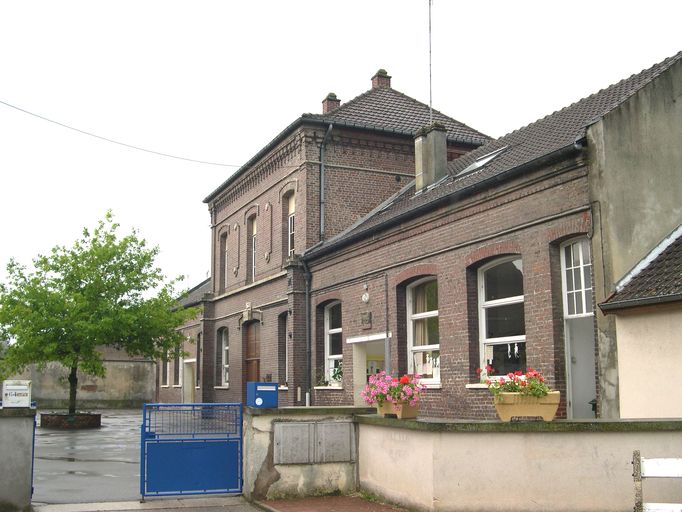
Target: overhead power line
[(131, 146)]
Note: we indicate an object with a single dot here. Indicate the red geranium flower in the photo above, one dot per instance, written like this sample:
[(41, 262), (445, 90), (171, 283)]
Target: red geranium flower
[(404, 379)]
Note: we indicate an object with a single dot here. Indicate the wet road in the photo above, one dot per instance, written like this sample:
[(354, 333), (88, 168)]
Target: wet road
[(89, 465)]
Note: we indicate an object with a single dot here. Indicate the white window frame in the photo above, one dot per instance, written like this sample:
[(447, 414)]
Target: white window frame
[(411, 348), (484, 305), (198, 361), (225, 351), (291, 232), (328, 358), (178, 361), (586, 292)]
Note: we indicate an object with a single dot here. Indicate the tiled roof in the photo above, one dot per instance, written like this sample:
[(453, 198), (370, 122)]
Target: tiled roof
[(525, 146), (194, 296), (387, 109), (658, 277), (380, 109)]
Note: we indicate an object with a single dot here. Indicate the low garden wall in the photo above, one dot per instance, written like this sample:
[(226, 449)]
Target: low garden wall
[(16, 458), (300, 451), (520, 466)]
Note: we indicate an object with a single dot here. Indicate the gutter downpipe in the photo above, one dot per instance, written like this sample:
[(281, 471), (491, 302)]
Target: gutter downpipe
[(308, 347), (323, 155)]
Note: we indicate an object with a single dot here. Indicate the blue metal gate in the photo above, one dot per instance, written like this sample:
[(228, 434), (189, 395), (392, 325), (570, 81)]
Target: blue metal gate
[(191, 449)]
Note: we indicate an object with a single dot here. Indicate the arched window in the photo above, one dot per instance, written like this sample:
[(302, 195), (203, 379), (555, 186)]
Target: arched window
[(500, 311), (423, 337), (251, 235), (333, 342), (222, 359), (291, 225), (223, 262)]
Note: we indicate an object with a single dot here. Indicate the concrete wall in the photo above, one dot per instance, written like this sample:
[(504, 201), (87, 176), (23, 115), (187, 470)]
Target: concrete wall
[(263, 479), (128, 383), (560, 466), (635, 191), (16, 456), (649, 350)]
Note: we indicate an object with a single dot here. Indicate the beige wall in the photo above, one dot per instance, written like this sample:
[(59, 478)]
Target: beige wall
[(512, 471), (649, 354)]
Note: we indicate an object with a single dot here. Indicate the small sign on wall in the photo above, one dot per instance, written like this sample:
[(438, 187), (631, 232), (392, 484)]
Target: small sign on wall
[(16, 393), (366, 320)]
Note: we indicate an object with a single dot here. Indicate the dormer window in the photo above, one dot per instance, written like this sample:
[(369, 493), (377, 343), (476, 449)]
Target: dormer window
[(483, 160)]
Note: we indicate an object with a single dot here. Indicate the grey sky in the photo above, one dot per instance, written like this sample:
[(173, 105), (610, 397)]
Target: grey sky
[(217, 80)]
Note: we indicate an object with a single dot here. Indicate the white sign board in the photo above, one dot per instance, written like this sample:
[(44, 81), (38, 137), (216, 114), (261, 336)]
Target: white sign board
[(16, 393)]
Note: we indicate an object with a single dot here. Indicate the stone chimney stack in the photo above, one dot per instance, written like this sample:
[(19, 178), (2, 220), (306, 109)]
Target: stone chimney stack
[(430, 155), (381, 79), (331, 102)]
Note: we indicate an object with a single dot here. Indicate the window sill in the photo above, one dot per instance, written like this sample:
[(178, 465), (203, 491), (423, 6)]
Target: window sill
[(476, 386), (177, 385), (221, 387), (433, 385), (328, 387), (165, 385), (284, 388)]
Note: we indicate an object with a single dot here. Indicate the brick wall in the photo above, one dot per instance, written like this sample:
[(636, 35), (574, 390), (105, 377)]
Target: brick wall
[(526, 216)]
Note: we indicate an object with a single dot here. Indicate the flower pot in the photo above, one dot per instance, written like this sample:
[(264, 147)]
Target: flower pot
[(509, 405), (401, 410)]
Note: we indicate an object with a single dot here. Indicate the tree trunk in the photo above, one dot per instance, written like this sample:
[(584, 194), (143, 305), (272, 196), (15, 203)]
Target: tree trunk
[(73, 387)]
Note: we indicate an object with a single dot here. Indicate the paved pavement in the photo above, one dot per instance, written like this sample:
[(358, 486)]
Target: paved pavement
[(89, 465)]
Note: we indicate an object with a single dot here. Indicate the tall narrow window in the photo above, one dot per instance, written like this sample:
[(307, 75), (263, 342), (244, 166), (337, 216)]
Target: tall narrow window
[(581, 385), (164, 370), (252, 232), (282, 351), (177, 365), (577, 278), (423, 337), (333, 346), (502, 323), (222, 360), (223, 262), (291, 225), (199, 351)]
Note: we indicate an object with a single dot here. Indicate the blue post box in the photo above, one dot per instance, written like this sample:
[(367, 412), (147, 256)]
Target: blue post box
[(262, 395)]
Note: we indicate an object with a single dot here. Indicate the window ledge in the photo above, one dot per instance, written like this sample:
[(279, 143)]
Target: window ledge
[(284, 388), (433, 385), (165, 385), (177, 385), (476, 386), (221, 387), (328, 387)]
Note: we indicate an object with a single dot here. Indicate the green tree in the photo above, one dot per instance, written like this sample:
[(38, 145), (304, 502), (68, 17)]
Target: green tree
[(102, 291)]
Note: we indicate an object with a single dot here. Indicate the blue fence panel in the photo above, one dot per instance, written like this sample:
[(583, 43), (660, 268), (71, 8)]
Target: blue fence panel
[(191, 449)]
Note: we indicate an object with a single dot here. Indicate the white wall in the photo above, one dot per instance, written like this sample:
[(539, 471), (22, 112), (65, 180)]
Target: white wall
[(511, 471)]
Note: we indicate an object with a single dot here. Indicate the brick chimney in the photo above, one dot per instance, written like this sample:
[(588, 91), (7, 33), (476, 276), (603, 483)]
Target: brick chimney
[(331, 102), (381, 79), (430, 155)]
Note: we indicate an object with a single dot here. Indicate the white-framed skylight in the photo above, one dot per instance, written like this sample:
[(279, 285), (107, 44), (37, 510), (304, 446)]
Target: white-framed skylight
[(482, 160)]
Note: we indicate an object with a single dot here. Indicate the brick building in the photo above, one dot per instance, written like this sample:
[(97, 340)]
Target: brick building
[(358, 240), (316, 178), (488, 259)]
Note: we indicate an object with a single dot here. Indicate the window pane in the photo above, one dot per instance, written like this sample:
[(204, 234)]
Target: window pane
[(569, 280), (427, 364), (334, 313), (335, 344), (425, 331), (587, 275), (505, 321), (506, 357), (568, 258), (579, 303), (577, 285), (425, 297), (226, 374), (586, 252), (504, 280), (571, 303)]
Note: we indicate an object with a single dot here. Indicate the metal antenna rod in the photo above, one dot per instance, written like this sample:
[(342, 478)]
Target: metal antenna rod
[(430, 86)]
